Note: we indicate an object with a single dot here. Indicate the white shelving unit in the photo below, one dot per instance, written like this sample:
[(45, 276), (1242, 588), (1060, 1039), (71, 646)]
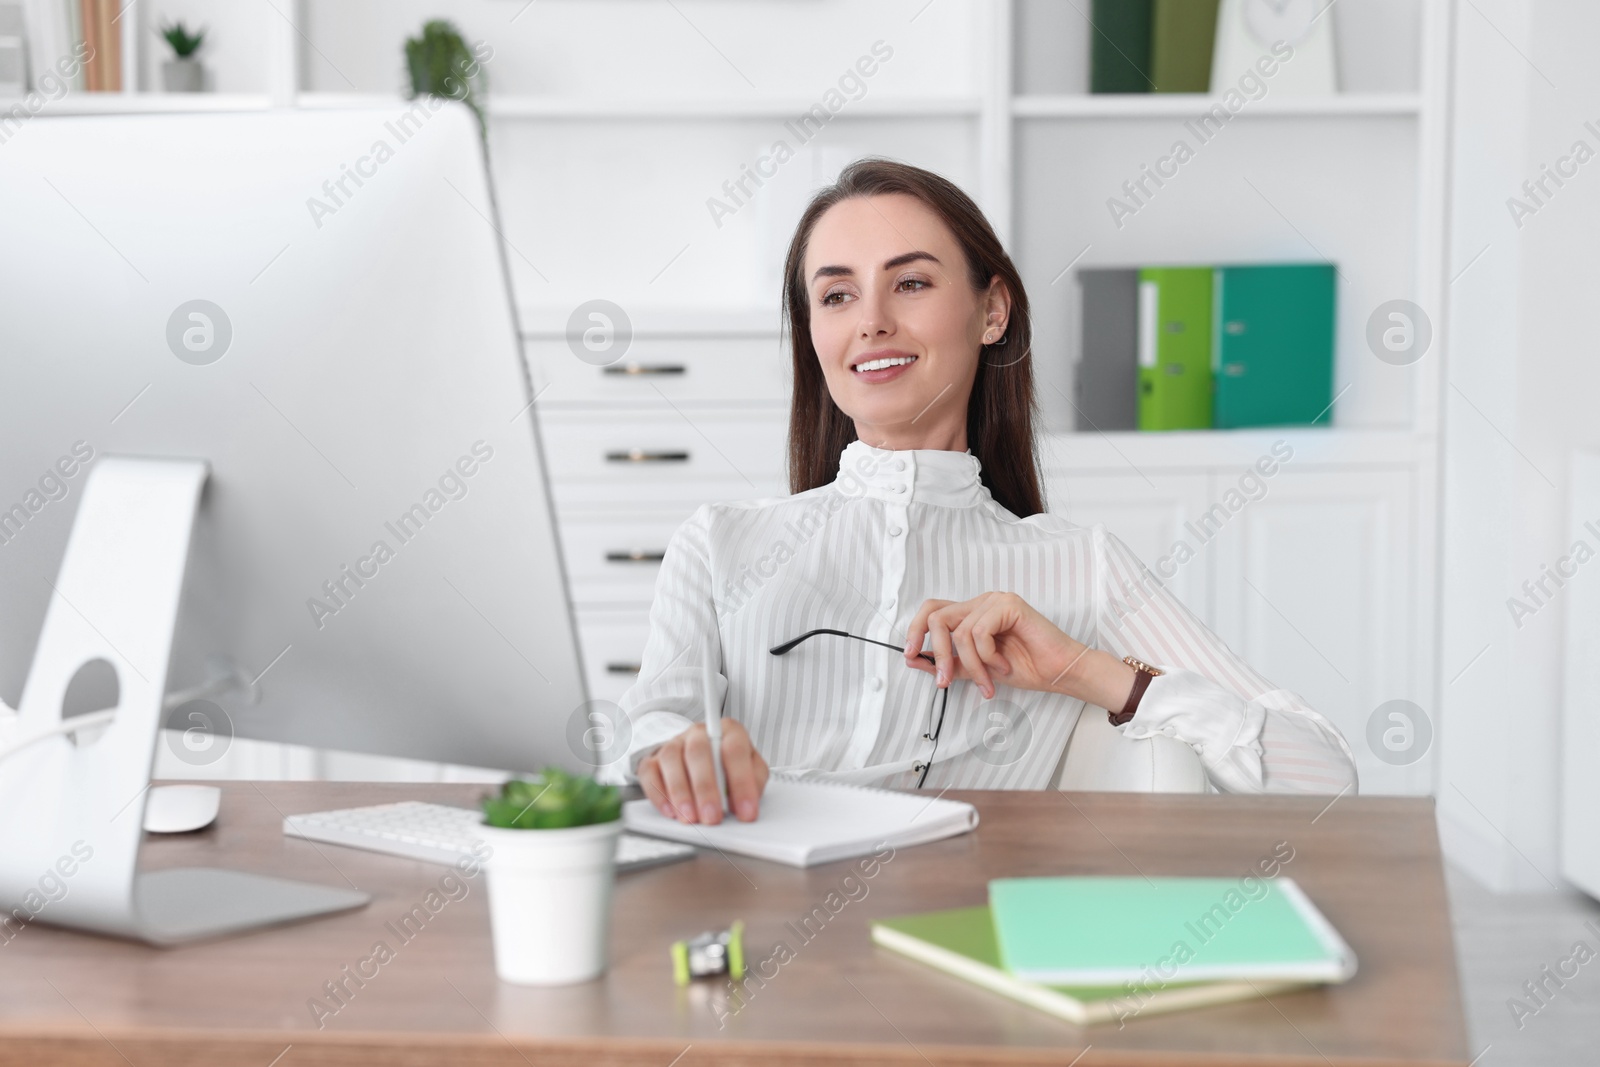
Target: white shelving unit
[(1185, 105), (533, 107), (1026, 130), (604, 167)]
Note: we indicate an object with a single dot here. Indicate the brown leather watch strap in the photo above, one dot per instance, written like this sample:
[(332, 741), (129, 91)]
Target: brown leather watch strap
[(1141, 682)]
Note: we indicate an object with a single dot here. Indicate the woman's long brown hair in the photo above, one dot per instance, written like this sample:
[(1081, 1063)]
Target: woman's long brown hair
[(1002, 408)]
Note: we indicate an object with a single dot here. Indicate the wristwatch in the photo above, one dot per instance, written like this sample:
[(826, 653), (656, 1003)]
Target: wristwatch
[(1141, 682)]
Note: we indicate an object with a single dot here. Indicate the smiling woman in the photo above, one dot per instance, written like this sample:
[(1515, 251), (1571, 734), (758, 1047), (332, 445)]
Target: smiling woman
[(928, 552), (956, 284)]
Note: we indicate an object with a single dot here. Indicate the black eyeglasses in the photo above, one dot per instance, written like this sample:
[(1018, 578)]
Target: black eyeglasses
[(940, 696)]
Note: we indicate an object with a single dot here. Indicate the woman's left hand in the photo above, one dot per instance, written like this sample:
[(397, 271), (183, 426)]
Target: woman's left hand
[(992, 635)]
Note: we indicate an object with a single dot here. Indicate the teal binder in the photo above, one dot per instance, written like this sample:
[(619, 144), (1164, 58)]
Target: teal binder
[(1175, 348), (1274, 344), (1119, 46)]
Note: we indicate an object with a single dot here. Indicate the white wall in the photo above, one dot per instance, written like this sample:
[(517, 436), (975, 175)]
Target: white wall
[(687, 50), (618, 207), (1521, 394)]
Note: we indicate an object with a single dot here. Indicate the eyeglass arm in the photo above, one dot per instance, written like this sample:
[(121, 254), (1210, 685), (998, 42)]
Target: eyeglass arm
[(778, 650)]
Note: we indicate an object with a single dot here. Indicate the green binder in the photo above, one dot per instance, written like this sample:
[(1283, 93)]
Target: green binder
[(1119, 46), (1175, 348), (1183, 34), (1274, 345)]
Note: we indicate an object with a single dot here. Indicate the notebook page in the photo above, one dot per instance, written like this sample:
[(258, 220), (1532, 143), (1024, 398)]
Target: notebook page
[(803, 823)]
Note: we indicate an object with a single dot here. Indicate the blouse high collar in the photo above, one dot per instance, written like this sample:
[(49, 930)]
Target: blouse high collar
[(913, 475)]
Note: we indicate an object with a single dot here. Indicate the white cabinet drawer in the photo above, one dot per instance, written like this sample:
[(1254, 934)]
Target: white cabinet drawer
[(1314, 590), (655, 457), (613, 642), (678, 369), (616, 560)]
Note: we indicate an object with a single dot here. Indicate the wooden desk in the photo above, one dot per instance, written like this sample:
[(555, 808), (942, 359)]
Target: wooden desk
[(1371, 864)]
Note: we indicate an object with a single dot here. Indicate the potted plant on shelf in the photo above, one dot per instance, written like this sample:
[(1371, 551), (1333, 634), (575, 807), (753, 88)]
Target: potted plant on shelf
[(441, 63), (183, 73), (551, 871)]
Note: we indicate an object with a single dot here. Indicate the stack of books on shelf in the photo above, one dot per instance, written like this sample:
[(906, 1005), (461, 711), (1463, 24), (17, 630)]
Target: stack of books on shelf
[(99, 26), (13, 49), (1197, 348), (78, 43), (1197, 46), (1096, 950)]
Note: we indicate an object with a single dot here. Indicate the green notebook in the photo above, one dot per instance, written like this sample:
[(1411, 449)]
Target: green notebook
[(1119, 46), (1274, 341), (1175, 348), (961, 942), (1183, 34), (1105, 931)]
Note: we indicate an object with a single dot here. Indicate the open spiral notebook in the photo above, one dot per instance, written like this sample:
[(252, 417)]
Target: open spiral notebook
[(806, 822)]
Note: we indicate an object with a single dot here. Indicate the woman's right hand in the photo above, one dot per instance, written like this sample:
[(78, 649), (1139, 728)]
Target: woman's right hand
[(679, 780)]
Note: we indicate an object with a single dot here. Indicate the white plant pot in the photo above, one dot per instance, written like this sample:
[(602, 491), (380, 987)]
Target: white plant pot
[(550, 901), (182, 76)]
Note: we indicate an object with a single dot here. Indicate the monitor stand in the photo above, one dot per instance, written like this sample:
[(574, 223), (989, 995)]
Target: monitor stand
[(72, 809)]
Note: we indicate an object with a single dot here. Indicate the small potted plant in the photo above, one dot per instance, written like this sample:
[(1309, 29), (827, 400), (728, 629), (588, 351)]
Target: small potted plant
[(553, 864), (183, 73)]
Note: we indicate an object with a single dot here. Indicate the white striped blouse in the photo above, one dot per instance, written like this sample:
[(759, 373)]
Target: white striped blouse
[(861, 554)]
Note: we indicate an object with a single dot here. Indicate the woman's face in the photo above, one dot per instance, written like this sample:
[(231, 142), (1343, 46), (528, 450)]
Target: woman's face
[(895, 320)]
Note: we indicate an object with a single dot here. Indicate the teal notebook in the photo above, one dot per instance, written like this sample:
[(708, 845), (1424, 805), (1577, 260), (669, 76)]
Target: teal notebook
[(1104, 931)]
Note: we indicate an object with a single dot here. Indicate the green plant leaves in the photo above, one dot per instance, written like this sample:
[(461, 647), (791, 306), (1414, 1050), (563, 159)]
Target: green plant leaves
[(441, 63), (552, 800), (184, 43)]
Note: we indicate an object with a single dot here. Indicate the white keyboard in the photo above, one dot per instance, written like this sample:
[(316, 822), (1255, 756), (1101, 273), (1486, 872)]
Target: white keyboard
[(441, 834)]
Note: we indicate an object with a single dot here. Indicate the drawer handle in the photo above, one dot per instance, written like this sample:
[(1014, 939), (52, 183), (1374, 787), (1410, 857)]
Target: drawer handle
[(636, 555), (639, 455), (623, 668), (639, 370)]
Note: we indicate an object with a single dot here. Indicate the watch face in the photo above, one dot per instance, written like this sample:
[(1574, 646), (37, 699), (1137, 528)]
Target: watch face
[(1279, 20)]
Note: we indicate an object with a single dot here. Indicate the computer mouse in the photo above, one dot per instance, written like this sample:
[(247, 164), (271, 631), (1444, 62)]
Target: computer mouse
[(179, 809)]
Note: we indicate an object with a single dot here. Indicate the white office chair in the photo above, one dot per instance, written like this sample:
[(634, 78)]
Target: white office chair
[(1100, 758)]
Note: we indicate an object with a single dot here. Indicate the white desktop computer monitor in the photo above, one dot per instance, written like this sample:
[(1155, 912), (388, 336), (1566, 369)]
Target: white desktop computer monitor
[(376, 538), (308, 314)]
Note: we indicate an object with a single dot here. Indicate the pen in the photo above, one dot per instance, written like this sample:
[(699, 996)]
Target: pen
[(714, 735)]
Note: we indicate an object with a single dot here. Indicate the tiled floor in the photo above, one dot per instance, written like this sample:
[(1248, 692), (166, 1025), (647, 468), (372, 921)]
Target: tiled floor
[(1503, 941)]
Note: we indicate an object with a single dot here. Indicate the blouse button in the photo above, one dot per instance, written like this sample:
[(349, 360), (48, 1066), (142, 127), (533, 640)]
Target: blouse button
[(874, 684), (899, 465), (895, 531), (899, 488)]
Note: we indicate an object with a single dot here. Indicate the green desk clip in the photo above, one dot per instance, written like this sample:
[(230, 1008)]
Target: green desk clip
[(709, 955)]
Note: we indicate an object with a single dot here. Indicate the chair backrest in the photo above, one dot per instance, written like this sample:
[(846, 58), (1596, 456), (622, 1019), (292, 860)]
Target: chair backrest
[(1100, 758)]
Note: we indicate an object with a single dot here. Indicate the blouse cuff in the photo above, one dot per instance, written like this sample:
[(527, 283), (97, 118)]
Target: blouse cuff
[(1221, 726), (650, 731)]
